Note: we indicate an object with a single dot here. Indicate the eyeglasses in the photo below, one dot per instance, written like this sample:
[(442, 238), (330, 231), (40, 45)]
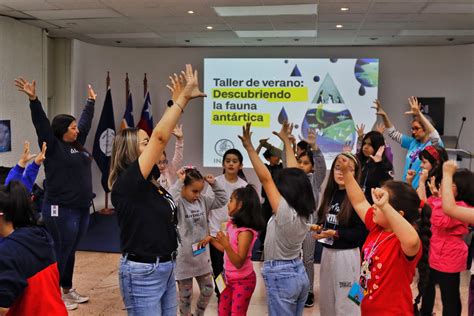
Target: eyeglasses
[(163, 162)]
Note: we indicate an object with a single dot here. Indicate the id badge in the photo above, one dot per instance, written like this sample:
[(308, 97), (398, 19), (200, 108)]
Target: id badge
[(54, 211), (356, 293), (328, 241), (196, 250), (220, 282)]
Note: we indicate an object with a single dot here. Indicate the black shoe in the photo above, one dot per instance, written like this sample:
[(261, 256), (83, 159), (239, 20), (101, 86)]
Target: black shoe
[(309, 300)]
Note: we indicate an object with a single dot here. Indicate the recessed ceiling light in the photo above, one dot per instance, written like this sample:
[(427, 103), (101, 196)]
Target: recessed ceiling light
[(344, 9), (339, 26), (191, 12), (209, 27), (268, 10), (273, 34)]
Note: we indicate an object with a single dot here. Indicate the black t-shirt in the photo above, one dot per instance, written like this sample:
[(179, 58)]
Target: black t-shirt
[(143, 213), (351, 235)]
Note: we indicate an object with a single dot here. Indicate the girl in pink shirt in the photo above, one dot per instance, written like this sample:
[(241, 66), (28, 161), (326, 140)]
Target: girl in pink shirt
[(237, 244), (448, 250)]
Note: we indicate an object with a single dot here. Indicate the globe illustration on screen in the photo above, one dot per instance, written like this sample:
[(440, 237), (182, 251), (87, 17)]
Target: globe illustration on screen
[(330, 116)]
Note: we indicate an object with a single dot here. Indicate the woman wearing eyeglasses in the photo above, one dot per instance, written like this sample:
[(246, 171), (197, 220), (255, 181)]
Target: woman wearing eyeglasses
[(423, 134), (146, 212)]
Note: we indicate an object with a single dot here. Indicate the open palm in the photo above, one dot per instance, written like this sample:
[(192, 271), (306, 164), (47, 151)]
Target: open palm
[(29, 88)]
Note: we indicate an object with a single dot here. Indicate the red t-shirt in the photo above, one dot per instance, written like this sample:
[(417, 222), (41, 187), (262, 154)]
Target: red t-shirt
[(389, 291)]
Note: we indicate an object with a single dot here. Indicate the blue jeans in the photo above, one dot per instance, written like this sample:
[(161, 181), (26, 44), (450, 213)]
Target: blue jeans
[(67, 230), (148, 288), (287, 286)]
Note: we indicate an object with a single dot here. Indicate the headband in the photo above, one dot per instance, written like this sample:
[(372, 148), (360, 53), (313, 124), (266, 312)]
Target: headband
[(433, 152), (351, 156)]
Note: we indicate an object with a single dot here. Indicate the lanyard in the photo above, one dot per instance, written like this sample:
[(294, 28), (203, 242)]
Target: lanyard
[(365, 274)]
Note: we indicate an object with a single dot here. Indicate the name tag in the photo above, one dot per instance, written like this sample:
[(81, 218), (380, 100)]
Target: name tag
[(54, 211)]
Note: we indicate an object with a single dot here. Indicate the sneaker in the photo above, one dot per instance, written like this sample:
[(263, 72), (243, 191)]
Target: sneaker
[(309, 300), (74, 297), (70, 306)]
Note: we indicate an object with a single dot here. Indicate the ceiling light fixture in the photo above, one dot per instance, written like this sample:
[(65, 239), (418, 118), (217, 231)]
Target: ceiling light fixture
[(209, 27), (344, 9), (339, 26), (268, 10), (191, 12)]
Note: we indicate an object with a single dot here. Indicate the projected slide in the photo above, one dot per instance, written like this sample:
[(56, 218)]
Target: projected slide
[(329, 95)]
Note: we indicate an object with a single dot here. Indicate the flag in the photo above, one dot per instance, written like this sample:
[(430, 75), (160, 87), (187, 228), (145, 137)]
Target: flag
[(146, 120), (127, 120), (104, 138)]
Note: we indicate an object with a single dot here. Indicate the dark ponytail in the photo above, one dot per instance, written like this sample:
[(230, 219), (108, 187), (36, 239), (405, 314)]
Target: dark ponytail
[(15, 204), (250, 213), (404, 197), (424, 232)]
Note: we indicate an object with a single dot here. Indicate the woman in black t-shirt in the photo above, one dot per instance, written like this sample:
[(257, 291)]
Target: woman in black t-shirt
[(145, 211)]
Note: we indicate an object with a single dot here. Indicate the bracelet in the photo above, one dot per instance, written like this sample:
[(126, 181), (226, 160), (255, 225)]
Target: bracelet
[(182, 111)]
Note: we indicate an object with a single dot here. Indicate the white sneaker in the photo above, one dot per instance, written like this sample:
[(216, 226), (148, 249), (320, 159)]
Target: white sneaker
[(75, 297), (70, 306)]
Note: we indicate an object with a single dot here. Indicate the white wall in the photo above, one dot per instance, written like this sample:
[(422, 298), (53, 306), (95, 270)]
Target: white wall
[(422, 71), (22, 52)]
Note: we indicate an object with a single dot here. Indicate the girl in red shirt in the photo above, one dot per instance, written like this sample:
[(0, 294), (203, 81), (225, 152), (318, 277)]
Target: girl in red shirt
[(398, 239)]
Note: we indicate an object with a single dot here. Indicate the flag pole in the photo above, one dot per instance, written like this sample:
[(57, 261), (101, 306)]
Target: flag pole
[(127, 87), (145, 85), (106, 210)]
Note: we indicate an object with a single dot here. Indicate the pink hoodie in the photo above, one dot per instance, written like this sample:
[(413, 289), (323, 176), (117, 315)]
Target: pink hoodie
[(448, 250)]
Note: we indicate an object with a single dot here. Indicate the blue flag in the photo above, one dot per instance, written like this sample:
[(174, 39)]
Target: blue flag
[(127, 120), (146, 119), (104, 139)]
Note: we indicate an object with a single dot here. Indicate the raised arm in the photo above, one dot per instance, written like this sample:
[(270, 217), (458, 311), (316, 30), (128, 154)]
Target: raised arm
[(354, 192), (176, 188), (320, 168), (262, 172), (31, 172), (85, 121), (386, 120), (415, 111), (38, 116), (28, 176), (464, 214), (360, 136), (283, 134), (421, 190), (178, 149), (219, 198), (405, 232), (162, 131)]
